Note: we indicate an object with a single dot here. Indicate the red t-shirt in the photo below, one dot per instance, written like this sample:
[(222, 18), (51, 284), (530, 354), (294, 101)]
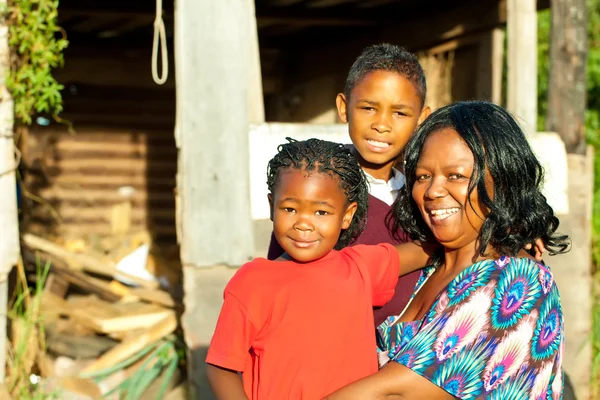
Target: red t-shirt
[(303, 330)]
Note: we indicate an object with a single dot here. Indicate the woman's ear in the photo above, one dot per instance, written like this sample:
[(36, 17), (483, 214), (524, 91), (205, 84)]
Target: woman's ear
[(342, 107), (349, 214)]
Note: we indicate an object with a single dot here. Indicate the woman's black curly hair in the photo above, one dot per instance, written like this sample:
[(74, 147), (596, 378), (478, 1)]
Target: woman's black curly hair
[(314, 155), (518, 212)]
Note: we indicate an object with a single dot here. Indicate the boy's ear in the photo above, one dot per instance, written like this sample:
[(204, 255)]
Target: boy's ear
[(425, 112), (349, 214), (270, 197), (342, 107)]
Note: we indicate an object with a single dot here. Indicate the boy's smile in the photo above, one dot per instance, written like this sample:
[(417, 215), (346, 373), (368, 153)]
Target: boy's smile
[(383, 111), (309, 211)]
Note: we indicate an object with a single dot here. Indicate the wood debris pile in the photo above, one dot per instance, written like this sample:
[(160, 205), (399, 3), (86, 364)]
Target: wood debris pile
[(109, 310)]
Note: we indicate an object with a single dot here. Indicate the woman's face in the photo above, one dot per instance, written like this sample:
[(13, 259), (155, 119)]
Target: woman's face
[(441, 188)]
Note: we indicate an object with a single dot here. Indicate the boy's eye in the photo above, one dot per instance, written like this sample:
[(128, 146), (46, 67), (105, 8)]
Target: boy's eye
[(367, 108), (288, 209), (321, 213), (400, 113)]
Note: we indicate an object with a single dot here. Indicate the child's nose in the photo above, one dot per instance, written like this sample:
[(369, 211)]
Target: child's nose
[(303, 224), (382, 123)]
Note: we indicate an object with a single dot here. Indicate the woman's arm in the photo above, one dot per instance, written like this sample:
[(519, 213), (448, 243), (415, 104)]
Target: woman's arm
[(414, 255), (226, 384), (394, 381)]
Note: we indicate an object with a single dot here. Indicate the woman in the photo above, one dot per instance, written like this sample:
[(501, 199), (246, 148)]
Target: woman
[(485, 321)]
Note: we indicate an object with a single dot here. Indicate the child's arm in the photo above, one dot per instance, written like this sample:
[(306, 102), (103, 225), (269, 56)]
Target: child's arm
[(414, 255), (226, 384)]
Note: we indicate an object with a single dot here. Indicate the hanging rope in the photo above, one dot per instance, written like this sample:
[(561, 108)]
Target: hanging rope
[(159, 36)]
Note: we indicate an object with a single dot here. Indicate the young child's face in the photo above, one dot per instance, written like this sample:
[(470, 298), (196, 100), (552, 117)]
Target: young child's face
[(309, 211), (382, 112)]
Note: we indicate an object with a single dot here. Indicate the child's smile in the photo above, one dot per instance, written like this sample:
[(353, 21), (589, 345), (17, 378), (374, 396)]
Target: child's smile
[(309, 213)]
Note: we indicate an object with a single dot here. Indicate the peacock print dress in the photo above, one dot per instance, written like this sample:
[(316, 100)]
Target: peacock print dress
[(495, 332)]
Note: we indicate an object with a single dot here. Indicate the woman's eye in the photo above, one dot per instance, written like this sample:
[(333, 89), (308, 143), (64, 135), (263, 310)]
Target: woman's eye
[(422, 177), (322, 213), (456, 176)]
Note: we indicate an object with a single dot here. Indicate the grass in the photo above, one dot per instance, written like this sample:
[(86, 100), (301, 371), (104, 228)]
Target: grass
[(27, 339)]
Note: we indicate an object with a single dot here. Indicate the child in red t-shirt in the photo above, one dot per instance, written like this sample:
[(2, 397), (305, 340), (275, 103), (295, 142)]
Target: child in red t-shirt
[(288, 325)]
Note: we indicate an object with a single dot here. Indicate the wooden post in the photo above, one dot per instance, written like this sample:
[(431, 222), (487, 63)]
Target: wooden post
[(256, 103), (567, 87), (212, 57), (214, 69), (9, 223), (490, 66), (522, 62)]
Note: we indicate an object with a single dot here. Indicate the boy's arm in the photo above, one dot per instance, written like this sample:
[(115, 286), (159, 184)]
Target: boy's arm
[(226, 384), (414, 255)]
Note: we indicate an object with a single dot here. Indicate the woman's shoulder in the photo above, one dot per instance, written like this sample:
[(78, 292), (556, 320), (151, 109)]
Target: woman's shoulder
[(525, 269)]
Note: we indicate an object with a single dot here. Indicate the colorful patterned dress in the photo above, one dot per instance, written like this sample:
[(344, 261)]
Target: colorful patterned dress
[(495, 332)]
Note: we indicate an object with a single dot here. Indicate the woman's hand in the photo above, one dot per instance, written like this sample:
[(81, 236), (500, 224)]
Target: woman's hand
[(539, 248), (394, 381)]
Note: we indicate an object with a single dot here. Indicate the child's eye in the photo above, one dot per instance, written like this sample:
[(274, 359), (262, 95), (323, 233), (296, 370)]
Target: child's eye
[(288, 209), (368, 108), (401, 114), (321, 213)]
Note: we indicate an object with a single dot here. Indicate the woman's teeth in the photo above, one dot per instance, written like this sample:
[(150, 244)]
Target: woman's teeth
[(375, 143), (444, 212)]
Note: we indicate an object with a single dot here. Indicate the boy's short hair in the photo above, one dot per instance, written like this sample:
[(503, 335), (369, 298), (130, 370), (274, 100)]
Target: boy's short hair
[(387, 57)]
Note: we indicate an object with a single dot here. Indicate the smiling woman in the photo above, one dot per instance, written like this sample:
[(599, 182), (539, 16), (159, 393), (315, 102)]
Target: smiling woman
[(485, 321)]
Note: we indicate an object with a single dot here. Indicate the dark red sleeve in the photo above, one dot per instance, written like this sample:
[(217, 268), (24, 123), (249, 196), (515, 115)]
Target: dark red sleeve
[(275, 250)]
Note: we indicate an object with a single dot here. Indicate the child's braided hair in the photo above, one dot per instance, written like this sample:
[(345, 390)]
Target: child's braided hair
[(314, 155)]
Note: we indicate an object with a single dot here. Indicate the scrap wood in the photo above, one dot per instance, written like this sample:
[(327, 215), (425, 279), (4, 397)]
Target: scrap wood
[(133, 345), (56, 285), (76, 346), (84, 261), (88, 283), (119, 317)]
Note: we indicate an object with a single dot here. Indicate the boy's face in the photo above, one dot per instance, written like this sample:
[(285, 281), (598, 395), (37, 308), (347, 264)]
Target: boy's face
[(309, 211), (383, 111)]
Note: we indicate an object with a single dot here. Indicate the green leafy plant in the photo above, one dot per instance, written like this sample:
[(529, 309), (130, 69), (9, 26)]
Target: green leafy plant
[(37, 44)]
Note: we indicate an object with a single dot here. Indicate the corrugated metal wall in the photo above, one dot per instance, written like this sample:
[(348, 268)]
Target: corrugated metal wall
[(123, 138)]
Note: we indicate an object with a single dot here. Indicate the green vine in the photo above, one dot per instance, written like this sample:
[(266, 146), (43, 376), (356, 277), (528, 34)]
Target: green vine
[(37, 45)]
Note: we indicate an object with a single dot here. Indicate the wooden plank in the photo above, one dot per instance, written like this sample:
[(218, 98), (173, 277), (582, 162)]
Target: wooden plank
[(84, 261), (87, 283), (119, 317), (133, 345)]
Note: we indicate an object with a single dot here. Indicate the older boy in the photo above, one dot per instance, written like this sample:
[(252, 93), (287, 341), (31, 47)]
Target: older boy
[(383, 103)]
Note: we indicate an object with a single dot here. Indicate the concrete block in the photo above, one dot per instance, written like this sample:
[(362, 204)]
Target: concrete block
[(203, 299), (573, 273)]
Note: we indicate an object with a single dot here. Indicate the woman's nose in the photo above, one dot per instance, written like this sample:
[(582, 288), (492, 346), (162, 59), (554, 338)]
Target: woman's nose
[(437, 188)]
